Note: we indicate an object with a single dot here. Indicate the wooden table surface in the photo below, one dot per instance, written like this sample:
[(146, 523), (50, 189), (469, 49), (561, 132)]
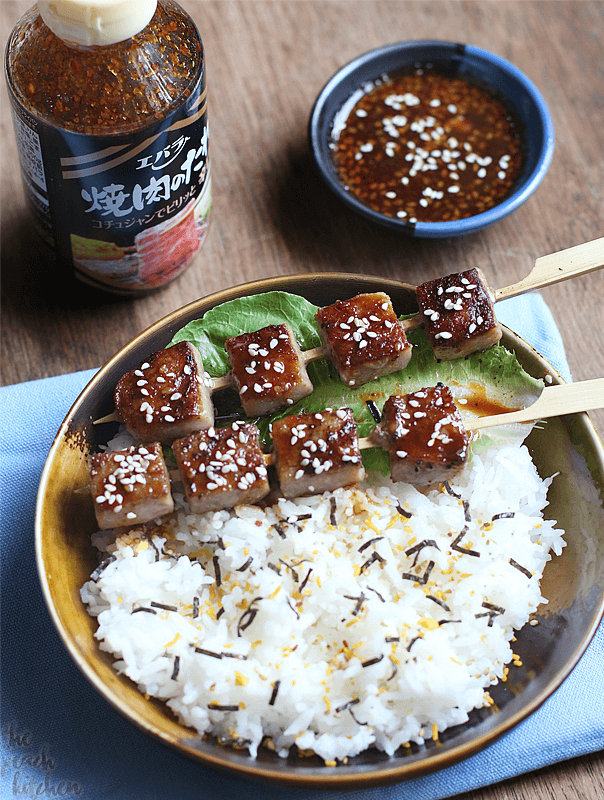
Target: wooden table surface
[(266, 61)]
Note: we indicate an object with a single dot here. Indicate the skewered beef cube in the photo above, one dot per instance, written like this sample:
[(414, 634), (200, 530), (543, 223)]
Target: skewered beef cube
[(457, 314), (425, 436), (363, 338), (268, 369), (130, 486), (317, 452), (166, 397), (222, 467)]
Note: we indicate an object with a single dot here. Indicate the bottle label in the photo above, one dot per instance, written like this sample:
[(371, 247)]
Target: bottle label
[(127, 211)]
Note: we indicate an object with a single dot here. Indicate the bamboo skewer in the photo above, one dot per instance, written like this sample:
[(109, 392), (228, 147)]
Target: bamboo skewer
[(547, 271), (554, 401), (558, 267)]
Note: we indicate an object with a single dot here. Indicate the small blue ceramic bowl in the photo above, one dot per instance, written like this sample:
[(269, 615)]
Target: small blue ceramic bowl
[(508, 82)]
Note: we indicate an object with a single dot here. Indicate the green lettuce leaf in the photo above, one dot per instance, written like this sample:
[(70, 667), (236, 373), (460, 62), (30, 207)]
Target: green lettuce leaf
[(494, 375)]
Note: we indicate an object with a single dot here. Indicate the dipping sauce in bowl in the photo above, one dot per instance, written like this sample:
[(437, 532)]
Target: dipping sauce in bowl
[(433, 139), (428, 147)]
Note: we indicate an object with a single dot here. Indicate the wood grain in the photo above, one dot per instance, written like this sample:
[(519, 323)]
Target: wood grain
[(267, 60)]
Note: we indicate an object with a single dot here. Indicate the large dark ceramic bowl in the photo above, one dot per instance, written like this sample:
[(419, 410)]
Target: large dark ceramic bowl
[(520, 95), (573, 583)]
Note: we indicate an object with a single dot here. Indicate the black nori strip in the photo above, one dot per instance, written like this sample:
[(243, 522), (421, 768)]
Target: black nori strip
[(332, 512), (412, 642), (376, 592), (423, 579), (372, 661), (403, 513), (465, 550), (292, 608), (218, 707), (522, 569), (243, 567), (276, 686), (195, 607), (440, 602), (302, 517), (217, 570), (466, 511), (360, 602), (374, 557), (504, 515), (211, 653), (288, 521), (163, 606), (233, 655), (305, 581), (274, 567), (417, 548), (369, 543), (279, 530), (153, 545), (101, 567), (394, 669), (176, 668), (450, 491), (355, 701), (492, 607), (446, 621), (221, 543), (493, 611), (373, 410), (295, 575), (220, 612), (392, 639), (249, 613), (355, 719), (144, 608)]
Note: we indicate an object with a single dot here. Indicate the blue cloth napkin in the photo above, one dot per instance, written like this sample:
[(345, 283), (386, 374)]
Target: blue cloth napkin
[(59, 738)]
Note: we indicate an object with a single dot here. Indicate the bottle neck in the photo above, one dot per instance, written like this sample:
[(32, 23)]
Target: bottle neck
[(89, 23)]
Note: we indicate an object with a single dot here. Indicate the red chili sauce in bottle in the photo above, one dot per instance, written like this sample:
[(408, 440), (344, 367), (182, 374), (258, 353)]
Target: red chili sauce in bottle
[(109, 108)]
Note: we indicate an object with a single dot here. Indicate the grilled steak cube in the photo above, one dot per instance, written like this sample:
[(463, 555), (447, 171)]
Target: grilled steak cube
[(424, 435), (317, 452), (222, 467), (130, 486), (166, 397), (268, 369), (457, 314), (363, 338)]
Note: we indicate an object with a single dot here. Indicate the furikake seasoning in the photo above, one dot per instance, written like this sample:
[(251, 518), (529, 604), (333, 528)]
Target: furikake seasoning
[(426, 147)]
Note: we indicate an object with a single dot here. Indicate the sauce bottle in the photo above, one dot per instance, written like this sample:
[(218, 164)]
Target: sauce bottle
[(109, 110)]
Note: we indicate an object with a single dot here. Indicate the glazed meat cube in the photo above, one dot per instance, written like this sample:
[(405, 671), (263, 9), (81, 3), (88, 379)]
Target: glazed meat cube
[(166, 397), (130, 486), (457, 314), (222, 467), (268, 369), (363, 338), (317, 452), (424, 435)]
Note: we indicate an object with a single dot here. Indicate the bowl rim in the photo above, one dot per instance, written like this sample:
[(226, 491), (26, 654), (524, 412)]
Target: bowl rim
[(325, 777), (322, 158)]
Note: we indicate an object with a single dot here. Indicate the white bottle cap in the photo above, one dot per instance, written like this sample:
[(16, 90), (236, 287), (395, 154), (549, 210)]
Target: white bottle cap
[(96, 22)]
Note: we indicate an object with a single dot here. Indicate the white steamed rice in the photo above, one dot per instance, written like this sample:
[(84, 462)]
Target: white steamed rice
[(321, 643)]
